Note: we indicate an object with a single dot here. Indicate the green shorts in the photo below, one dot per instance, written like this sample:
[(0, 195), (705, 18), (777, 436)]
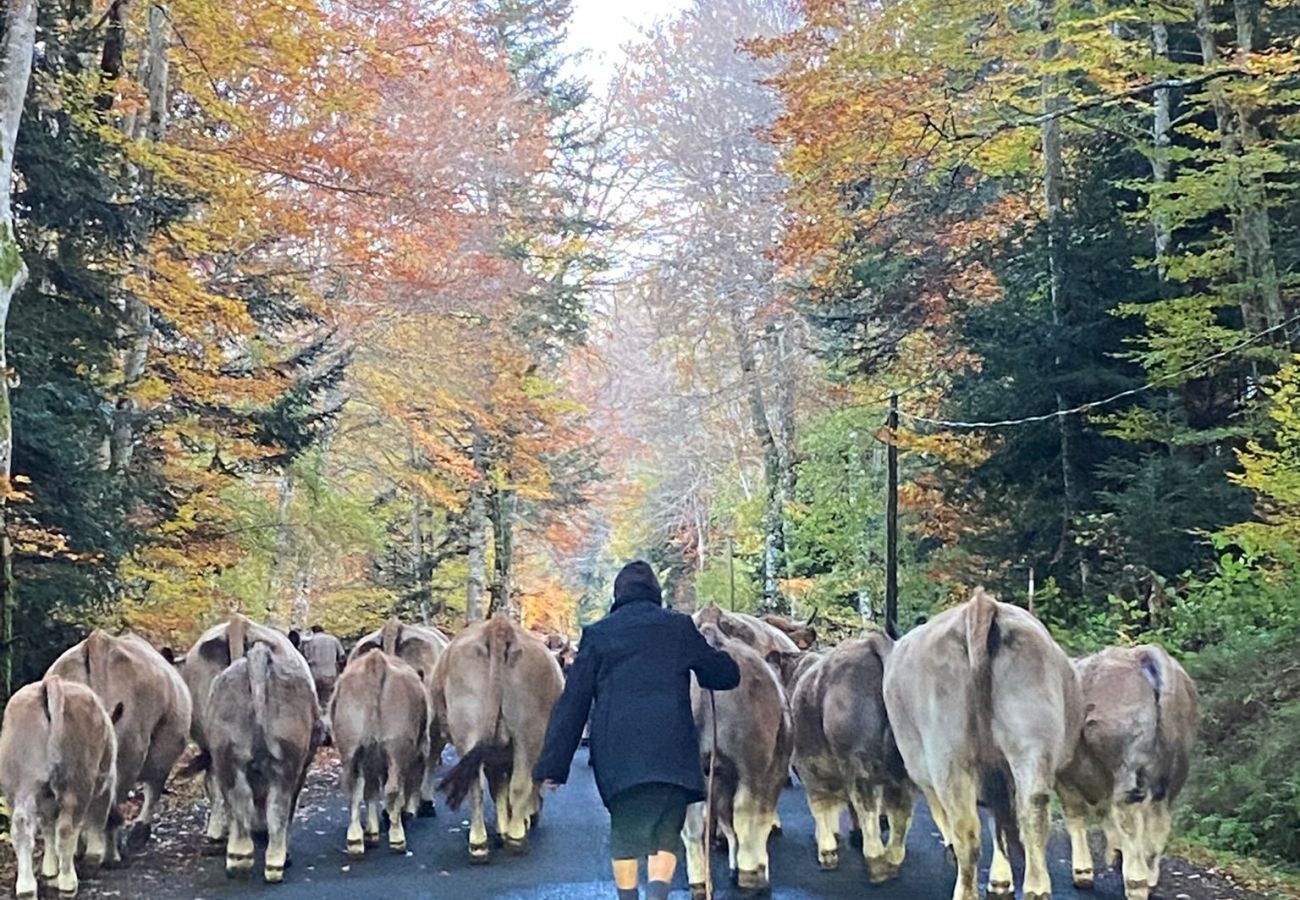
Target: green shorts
[(647, 819)]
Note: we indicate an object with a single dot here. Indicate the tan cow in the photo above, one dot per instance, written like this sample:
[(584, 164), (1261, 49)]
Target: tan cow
[(152, 729), (210, 655), (754, 743), (380, 715), (58, 763), (1140, 717), (769, 641), (845, 754), (984, 703), (420, 646), (494, 689), (326, 658), (263, 729)]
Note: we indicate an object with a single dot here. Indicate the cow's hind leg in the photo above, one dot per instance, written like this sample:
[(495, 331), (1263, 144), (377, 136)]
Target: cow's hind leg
[(866, 804), (214, 836), (479, 850), (1159, 825), (1033, 799), (956, 798), (66, 831), (1076, 826), (23, 834), (395, 803), (693, 838), (1001, 884), (520, 802), (826, 809), (355, 782), (279, 810), (752, 822), (239, 840), (897, 802), (1129, 821)]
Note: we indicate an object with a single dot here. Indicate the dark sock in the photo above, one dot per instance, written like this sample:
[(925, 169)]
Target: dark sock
[(628, 894), (657, 890)]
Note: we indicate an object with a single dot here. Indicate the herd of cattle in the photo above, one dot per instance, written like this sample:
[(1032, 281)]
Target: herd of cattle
[(978, 705)]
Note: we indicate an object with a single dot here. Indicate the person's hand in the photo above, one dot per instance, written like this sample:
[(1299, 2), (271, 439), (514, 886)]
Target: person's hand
[(550, 785)]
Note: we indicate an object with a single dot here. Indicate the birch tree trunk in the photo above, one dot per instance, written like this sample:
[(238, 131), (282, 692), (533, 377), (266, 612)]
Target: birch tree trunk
[(502, 509), (1161, 131), (280, 556), (15, 71), (476, 583)]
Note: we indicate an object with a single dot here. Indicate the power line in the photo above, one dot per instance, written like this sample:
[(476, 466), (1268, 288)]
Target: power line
[(1105, 401)]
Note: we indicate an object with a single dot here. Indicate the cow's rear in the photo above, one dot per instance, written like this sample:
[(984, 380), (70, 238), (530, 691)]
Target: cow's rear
[(985, 706)]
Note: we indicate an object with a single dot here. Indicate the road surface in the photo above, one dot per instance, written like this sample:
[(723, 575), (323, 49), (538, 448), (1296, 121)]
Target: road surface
[(568, 860)]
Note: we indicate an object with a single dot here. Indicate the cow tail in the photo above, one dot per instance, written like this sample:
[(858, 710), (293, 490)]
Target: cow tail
[(388, 637), (52, 687), (259, 676), (488, 753), (98, 647), (237, 636), (1153, 669), (997, 788)]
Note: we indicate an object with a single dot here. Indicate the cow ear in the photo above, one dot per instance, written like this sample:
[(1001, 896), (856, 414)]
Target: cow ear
[(513, 652), (168, 654), (117, 713), (216, 651), (295, 638)]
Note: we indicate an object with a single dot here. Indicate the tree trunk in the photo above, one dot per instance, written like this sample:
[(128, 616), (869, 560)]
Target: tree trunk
[(280, 556), (476, 583), (1261, 300), (1161, 131), (772, 513), (15, 71), (502, 509), (1054, 201)]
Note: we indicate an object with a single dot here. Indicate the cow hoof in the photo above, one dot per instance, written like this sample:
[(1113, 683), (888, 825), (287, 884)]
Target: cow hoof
[(372, 840), (881, 870), (828, 860), (479, 854), (1043, 896), (273, 874), (426, 810), (214, 847), (1136, 890), (68, 893), (238, 872), (397, 846), (31, 895), (1002, 890), (356, 849), (1083, 879), (517, 847), (751, 881), (699, 892), (138, 836)]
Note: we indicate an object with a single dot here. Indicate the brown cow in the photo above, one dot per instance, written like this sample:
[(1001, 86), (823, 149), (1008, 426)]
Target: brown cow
[(494, 689), (58, 764), (216, 649), (380, 714), (981, 696), (803, 634), (845, 754), (326, 658), (152, 729), (769, 641), (1140, 716), (420, 646), (262, 731), (754, 743)]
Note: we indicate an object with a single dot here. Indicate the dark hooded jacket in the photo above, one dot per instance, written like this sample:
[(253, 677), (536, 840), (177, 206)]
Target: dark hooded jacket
[(636, 665)]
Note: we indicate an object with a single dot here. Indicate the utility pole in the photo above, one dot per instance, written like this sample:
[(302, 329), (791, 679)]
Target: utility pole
[(891, 524), (731, 569)]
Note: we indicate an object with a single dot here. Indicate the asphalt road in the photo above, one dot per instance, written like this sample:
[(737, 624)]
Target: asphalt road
[(568, 860)]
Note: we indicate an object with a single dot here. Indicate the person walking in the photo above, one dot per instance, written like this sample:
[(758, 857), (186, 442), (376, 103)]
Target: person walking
[(636, 665)]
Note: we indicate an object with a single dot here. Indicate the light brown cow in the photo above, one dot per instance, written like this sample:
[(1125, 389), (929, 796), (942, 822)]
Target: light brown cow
[(804, 634), (1140, 717), (215, 649), (380, 715), (769, 641), (325, 657), (754, 742), (983, 702), (494, 689), (58, 758), (152, 729), (845, 754), (420, 646), (263, 729)]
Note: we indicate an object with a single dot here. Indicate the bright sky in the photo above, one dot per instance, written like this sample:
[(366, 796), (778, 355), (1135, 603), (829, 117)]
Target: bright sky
[(602, 27)]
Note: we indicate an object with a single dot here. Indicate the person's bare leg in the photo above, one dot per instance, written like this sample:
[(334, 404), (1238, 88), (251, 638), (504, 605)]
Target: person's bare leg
[(659, 874), (625, 877)]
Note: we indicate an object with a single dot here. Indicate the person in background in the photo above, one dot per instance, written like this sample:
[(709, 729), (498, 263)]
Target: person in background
[(636, 666)]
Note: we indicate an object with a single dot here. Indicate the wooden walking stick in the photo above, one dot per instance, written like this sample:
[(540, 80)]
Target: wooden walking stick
[(708, 801)]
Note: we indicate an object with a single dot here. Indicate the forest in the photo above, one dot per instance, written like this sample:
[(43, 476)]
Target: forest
[(330, 312)]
